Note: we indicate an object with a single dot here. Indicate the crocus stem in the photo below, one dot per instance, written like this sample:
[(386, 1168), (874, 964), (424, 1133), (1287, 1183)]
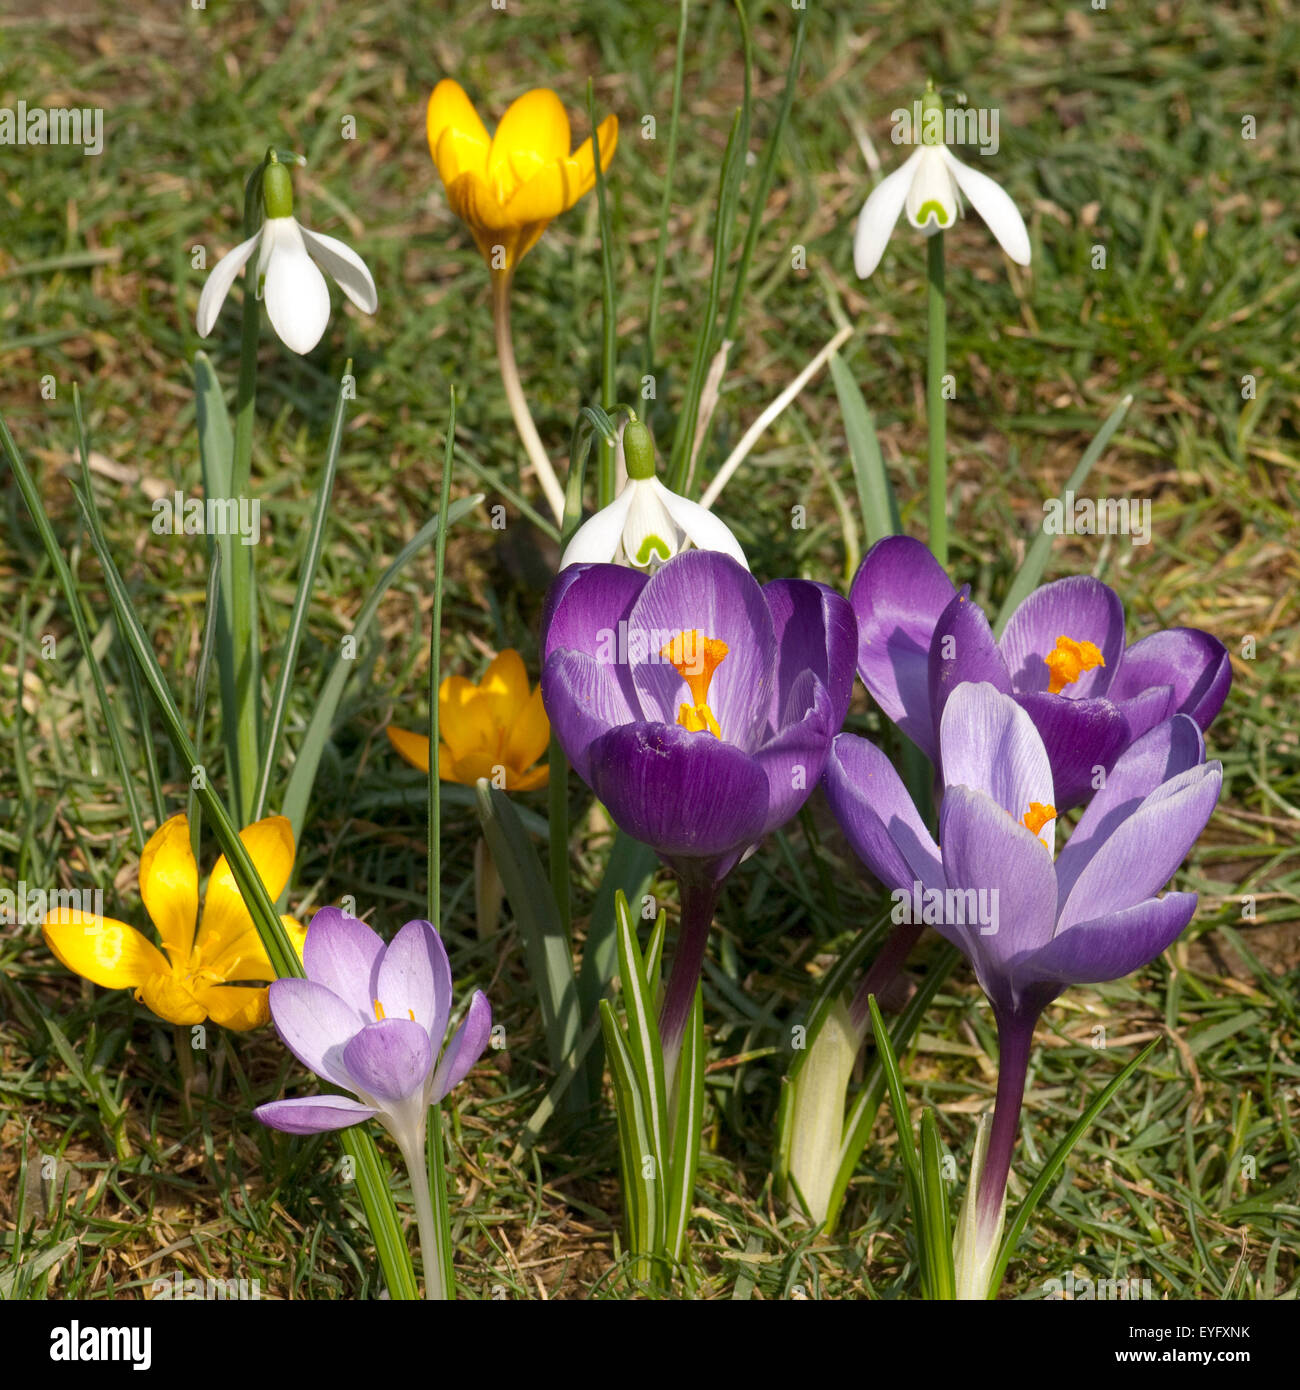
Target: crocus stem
[(936, 418), (1015, 1038), (699, 897), (883, 971), (426, 1223), (532, 441)]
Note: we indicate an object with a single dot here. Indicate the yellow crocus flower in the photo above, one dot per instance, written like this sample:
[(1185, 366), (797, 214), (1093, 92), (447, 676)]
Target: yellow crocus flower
[(506, 187), (187, 981), (497, 723)]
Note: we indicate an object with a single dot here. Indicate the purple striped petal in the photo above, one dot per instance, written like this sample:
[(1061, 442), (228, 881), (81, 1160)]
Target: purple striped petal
[(1080, 736), (983, 848), (583, 603), (389, 1060), (707, 592), (313, 1114), (415, 979), (1157, 757), (1140, 857), (878, 817), (465, 1048), (962, 649), (583, 700), (315, 1025), (989, 743), (1192, 661), (1081, 608), (1111, 946), (687, 795), (1143, 712), (815, 631), (343, 954), (794, 759), (898, 593)]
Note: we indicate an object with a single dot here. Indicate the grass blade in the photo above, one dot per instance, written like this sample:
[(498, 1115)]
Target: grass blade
[(876, 498)]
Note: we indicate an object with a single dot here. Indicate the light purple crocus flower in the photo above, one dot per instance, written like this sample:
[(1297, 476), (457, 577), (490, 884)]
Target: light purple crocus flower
[(1062, 657), (371, 1019), (699, 707), (1084, 916)]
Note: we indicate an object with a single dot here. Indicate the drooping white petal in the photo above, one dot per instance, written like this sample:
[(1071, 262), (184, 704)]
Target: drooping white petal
[(704, 530), (297, 297), (597, 540), (650, 536), (878, 215), (347, 268), (217, 286), (994, 205), (932, 198)]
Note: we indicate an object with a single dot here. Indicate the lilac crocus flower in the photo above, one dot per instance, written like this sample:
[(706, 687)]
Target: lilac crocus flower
[(699, 707), (1062, 657), (1084, 916), (370, 1019)]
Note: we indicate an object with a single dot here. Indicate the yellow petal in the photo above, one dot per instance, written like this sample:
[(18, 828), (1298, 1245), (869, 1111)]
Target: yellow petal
[(104, 951), (169, 885), (235, 1006), (447, 767), (413, 747), (528, 781), (472, 766), (169, 999), (246, 960), (473, 199), (465, 721), (530, 734), (297, 932), (269, 843), (534, 132), (505, 688), (557, 187), (458, 139)]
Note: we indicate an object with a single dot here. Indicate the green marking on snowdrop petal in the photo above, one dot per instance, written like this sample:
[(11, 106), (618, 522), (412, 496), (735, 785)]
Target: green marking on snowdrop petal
[(649, 545), (932, 207)]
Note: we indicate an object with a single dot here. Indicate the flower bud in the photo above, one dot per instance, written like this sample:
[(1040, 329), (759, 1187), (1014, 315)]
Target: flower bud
[(931, 125), (638, 451), (277, 188)]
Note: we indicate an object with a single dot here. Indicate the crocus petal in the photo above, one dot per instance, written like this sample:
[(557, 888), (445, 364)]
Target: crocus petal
[(1081, 736), (1144, 711), (1140, 857), (584, 609), (879, 214), (465, 1048), (795, 758), (878, 816), (1081, 608), (315, 1025), (599, 539), (297, 297), (584, 702), (583, 158), (504, 688), (898, 594), (389, 1060), (931, 201), (171, 1000), (529, 736), (348, 269), (687, 795), (414, 979), (704, 530), (465, 722), (458, 140), (1168, 750), (226, 918), (217, 286), (342, 954), (990, 744), (1111, 946), (993, 204), (533, 132), (963, 649), (313, 1114), (101, 950), (237, 1007), (815, 631), (983, 848), (705, 591), (413, 747), (169, 886), (1193, 662)]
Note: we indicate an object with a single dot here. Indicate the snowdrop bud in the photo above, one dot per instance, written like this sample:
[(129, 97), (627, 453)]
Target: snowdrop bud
[(277, 188), (931, 127), (638, 450)]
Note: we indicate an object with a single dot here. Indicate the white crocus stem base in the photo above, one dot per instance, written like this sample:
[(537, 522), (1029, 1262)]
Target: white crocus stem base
[(412, 1149), (817, 1114), (976, 1244)]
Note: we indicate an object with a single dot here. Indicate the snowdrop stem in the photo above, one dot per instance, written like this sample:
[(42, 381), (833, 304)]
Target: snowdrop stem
[(935, 409), (532, 442)]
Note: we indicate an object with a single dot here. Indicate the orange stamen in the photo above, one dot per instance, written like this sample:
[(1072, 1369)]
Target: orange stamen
[(1068, 660), (696, 657), (379, 1011), (1038, 815)]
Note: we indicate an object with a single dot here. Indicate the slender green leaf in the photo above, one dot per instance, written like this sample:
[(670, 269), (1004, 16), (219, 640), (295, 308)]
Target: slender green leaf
[(936, 1227), (876, 497), (688, 1123), (642, 1208)]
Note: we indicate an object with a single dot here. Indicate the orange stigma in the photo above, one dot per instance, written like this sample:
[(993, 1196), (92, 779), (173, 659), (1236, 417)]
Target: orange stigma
[(1068, 660), (380, 1015), (696, 658)]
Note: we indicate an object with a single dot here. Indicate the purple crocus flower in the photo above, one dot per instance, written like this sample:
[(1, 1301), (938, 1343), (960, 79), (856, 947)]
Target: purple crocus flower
[(1030, 923), (370, 1019), (699, 707), (1062, 657)]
